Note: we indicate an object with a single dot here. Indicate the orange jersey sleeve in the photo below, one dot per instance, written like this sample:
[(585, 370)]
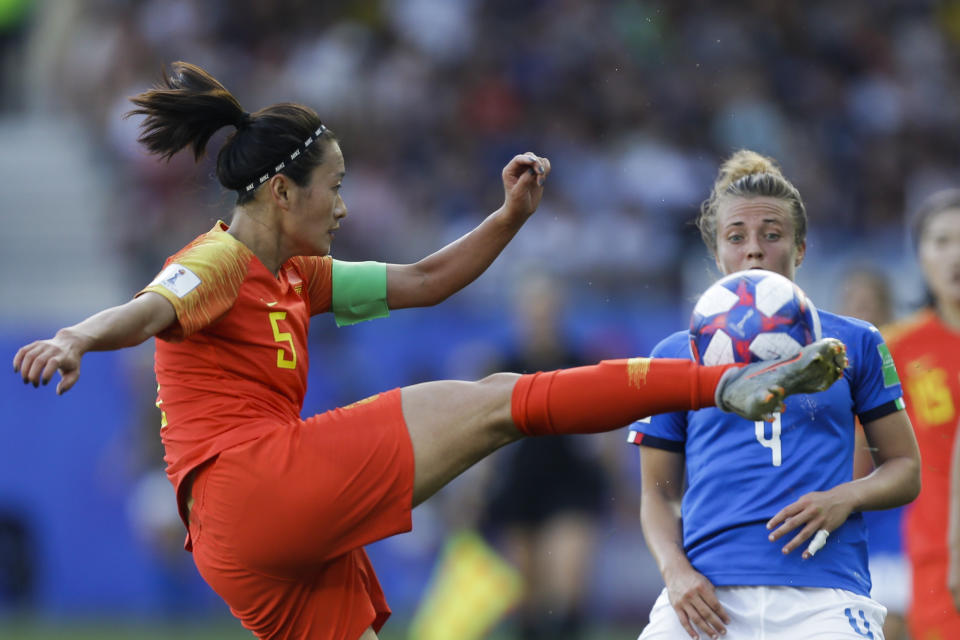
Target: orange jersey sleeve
[(201, 281), (317, 274)]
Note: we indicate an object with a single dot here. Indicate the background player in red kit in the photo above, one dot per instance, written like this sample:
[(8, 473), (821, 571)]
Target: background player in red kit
[(926, 348), (279, 508)]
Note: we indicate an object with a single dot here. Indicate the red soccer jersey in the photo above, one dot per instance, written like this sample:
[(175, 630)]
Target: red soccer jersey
[(928, 359), (927, 355), (234, 364)]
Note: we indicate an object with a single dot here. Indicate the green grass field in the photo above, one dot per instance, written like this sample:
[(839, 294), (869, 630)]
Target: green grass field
[(32, 629), (119, 630)]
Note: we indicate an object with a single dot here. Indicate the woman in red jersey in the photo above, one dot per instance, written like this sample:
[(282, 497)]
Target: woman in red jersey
[(926, 348), (278, 508)]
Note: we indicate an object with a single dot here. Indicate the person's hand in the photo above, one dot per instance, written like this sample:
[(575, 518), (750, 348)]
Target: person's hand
[(810, 513), (694, 599), (38, 361), (523, 179)]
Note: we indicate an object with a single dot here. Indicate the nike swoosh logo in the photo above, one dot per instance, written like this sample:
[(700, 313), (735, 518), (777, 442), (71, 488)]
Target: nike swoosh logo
[(270, 304)]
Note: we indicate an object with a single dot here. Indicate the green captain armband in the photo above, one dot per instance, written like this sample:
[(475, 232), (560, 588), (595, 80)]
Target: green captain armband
[(359, 291)]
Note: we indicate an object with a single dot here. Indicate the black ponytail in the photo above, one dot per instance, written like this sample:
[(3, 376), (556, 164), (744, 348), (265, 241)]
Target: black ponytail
[(190, 105), (187, 108)]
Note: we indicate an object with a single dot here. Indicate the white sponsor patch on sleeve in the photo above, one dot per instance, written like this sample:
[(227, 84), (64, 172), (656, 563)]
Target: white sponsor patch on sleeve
[(177, 279)]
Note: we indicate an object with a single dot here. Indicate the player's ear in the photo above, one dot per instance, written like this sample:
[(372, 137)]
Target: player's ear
[(279, 186), (801, 252)]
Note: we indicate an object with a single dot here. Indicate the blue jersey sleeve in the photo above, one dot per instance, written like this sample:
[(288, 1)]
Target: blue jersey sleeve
[(665, 430), (876, 387)]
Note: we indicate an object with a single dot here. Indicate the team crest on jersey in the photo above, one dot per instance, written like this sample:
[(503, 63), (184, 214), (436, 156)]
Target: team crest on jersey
[(177, 279), (294, 279)]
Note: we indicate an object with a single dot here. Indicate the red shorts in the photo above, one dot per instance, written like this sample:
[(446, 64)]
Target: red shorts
[(932, 614), (278, 524)]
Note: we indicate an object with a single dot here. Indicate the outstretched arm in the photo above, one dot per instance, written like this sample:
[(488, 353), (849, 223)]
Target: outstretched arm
[(895, 481), (441, 274), (115, 328), (692, 595)]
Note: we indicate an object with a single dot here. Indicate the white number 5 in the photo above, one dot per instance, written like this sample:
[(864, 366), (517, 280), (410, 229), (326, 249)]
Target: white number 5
[(773, 442)]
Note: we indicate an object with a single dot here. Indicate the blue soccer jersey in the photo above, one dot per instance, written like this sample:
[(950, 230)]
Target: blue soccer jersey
[(739, 473)]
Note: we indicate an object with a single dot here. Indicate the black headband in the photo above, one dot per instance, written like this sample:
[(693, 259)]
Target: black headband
[(283, 163)]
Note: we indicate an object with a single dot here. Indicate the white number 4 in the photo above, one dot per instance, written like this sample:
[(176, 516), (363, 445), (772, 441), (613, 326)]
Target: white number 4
[(773, 442)]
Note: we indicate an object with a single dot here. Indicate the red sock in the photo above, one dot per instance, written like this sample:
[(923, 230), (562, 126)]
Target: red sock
[(610, 395)]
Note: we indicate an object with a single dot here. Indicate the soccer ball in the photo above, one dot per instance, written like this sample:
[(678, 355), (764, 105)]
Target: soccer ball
[(749, 316)]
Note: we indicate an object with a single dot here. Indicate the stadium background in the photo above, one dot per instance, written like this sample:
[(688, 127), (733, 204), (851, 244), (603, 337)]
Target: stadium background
[(635, 103)]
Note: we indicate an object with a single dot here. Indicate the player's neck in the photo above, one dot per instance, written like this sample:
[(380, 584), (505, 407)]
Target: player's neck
[(259, 236), (949, 314)]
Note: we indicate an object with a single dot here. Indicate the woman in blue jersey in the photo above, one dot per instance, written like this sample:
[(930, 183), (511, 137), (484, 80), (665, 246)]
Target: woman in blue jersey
[(733, 526)]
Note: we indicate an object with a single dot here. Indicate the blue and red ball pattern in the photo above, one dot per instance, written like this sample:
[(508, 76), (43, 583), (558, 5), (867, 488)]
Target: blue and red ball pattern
[(749, 316)]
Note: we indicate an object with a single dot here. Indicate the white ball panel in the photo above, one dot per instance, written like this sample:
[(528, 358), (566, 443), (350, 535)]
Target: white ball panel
[(772, 293), (715, 300), (770, 346), (719, 351)]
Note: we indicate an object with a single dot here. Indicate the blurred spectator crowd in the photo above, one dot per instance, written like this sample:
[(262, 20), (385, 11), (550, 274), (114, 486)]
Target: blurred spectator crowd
[(634, 102)]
